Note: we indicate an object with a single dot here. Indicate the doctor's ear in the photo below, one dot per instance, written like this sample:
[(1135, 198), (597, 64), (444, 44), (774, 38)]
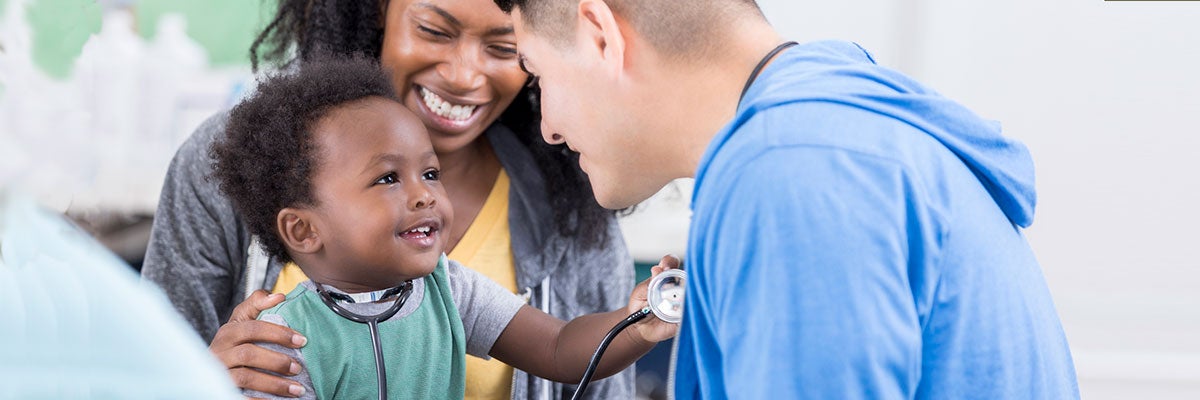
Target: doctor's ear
[(297, 231), (598, 29)]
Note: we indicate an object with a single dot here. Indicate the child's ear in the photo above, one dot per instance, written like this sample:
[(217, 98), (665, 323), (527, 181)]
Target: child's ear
[(297, 230)]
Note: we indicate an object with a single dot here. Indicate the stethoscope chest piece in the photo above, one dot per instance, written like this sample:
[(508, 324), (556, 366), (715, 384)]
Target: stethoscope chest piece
[(665, 295)]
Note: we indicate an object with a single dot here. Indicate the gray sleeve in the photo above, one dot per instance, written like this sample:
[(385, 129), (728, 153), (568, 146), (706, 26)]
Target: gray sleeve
[(485, 307), (303, 378), (197, 246)]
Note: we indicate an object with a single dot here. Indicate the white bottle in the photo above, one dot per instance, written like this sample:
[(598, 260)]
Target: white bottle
[(173, 63), (171, 42), (107, 73), (15, 68)]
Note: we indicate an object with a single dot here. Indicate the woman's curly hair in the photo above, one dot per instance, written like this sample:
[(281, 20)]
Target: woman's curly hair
[(302, 29), (265, 161)]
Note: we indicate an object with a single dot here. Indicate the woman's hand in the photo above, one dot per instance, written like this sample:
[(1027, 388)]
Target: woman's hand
[(651, 328), (234, 344)]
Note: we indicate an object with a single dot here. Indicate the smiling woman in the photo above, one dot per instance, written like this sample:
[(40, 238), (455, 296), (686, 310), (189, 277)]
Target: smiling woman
[(455, 68), (524, 212)]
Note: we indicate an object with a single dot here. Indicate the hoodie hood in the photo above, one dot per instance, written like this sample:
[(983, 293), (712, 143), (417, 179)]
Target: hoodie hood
[(844, 73)]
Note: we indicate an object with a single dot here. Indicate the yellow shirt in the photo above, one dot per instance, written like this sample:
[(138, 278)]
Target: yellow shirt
[(289, 277), (486, 247)]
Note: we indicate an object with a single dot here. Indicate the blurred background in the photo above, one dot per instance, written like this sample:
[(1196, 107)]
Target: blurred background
[(96, 96)]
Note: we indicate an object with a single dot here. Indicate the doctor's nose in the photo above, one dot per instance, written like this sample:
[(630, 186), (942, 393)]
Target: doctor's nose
[(550, 136)]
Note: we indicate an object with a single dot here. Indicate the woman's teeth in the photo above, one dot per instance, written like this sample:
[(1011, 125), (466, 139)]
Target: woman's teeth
[(446, 109)]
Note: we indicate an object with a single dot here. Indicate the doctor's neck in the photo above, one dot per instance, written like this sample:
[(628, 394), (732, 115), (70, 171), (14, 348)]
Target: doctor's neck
[(712, 83)]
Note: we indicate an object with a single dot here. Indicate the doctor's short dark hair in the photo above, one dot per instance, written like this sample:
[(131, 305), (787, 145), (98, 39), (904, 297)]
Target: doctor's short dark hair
[(679, 28), (266, 160)]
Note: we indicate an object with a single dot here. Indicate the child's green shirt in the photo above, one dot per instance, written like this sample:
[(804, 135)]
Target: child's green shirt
[(451, 313)]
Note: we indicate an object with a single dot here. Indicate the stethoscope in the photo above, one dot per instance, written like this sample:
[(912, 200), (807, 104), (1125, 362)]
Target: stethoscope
[(664, 294), (401, 292)]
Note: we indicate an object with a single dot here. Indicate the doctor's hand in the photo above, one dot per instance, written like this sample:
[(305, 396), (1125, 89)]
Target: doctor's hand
[(234, 344), (651, 328)]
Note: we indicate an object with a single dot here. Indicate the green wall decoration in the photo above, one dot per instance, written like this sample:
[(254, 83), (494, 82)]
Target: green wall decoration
[(225, 28)]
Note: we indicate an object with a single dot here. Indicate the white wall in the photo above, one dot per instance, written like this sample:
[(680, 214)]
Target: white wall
[(1107, 97)]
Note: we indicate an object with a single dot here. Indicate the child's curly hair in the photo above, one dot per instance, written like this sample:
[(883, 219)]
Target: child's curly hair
[(266, 160)]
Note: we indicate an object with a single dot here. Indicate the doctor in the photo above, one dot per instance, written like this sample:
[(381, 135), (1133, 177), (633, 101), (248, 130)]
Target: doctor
[(855, 234)]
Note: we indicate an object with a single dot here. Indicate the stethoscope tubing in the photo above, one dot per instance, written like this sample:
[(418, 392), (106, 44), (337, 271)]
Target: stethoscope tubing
[(372, 322), (612, 334)]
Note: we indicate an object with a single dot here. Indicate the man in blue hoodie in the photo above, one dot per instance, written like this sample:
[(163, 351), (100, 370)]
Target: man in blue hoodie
[(855, 235)]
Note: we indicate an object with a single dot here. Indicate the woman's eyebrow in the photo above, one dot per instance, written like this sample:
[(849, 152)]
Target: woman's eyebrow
[(445, 14), (496, 31), (499, 31)]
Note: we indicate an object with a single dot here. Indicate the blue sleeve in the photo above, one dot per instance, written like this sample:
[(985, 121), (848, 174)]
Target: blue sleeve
[(806, 266)]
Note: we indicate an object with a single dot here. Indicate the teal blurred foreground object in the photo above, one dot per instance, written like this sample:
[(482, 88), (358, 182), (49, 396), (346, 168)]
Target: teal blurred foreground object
[(77, 323)]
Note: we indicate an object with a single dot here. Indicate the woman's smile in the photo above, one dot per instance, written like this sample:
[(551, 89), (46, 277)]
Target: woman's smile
[(446, 113)]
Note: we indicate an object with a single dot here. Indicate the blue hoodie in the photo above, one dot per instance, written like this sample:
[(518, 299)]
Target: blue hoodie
[(856, 235)]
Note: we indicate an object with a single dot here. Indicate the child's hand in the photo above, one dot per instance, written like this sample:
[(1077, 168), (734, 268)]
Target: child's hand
[(651, 328)]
